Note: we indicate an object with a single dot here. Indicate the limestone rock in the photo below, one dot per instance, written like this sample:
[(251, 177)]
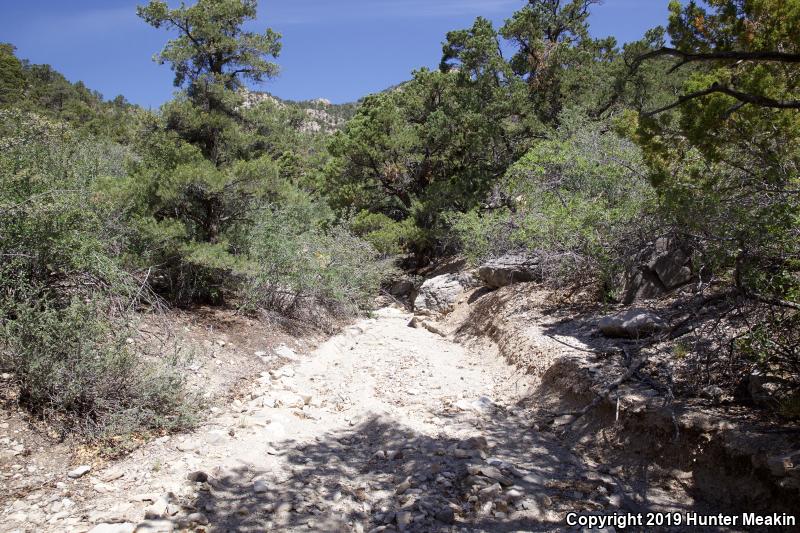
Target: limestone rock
[(632, 324), (663, 266), (510, 269), (79, 471), (155, 526), (439, 294)]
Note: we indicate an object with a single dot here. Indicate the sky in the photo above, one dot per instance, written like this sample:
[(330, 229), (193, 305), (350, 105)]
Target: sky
[(335, 49)]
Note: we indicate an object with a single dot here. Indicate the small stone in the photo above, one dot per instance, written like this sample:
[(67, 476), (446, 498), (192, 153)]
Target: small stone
[(79, 471), (494, 473), (216, 436), (490, 492), (155, 526), (514, 494), (197, 518), (615, 500), (404, 519), (197, 477), (158, 509), (284, 351), (112, 475), (446, 515), (260, 487), (404, 486), (221, 343)]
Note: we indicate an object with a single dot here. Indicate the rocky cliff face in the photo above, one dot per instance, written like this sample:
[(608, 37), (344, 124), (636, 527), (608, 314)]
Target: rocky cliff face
[(321, 116)]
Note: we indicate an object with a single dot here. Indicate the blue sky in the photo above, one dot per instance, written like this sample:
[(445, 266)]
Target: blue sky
[(335, 49)]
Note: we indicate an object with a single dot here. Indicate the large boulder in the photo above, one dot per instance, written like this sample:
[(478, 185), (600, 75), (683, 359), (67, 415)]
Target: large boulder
[(663, 266), (510, 269), (634, 323), (439, 294)]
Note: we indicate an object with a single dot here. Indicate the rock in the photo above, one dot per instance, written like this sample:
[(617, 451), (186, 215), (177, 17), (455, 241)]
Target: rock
[(763, 390), (260, 487), (284, 351), (126, 527), (401, 288), (514, 494), (494, 473), (713, 392), (446, 515), (474, 443), (490, 492), (216, 436), (662, 266), (404, 486), (289, 399), (186, 446), (672, 269), (155, 526), (274, 431), (632, 324), (197, 518), (5, 376), (158, 509), (510, 269), (481, 405), (564, 420), (404, 519), (438, 295), (79, 471), (283, 372), (197, 477)]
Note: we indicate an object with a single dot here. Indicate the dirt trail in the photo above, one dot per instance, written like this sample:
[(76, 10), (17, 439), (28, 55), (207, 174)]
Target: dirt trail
[(383, 427)]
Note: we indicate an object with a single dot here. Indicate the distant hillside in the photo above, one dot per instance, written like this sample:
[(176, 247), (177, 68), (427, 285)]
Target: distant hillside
[(42, 89), (321, 116)]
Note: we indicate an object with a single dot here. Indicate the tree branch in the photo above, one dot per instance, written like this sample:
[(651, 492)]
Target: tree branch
[(690, 57), (746, 98)]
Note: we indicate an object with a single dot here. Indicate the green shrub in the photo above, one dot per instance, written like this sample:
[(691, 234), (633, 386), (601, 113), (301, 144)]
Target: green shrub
[(579, 199), (292, 267), (75, 369), (65, 303), (389, 237)]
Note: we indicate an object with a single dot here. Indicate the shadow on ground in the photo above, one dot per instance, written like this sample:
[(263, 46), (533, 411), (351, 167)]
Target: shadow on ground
[(507, 477)]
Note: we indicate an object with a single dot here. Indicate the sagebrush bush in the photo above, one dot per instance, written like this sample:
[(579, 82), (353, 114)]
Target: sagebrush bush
[(75, 369), (65, 303), (294, 267)]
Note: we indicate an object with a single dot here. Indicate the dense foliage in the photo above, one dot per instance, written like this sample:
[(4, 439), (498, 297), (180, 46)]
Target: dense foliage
[(66, 303), (107, 210)]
